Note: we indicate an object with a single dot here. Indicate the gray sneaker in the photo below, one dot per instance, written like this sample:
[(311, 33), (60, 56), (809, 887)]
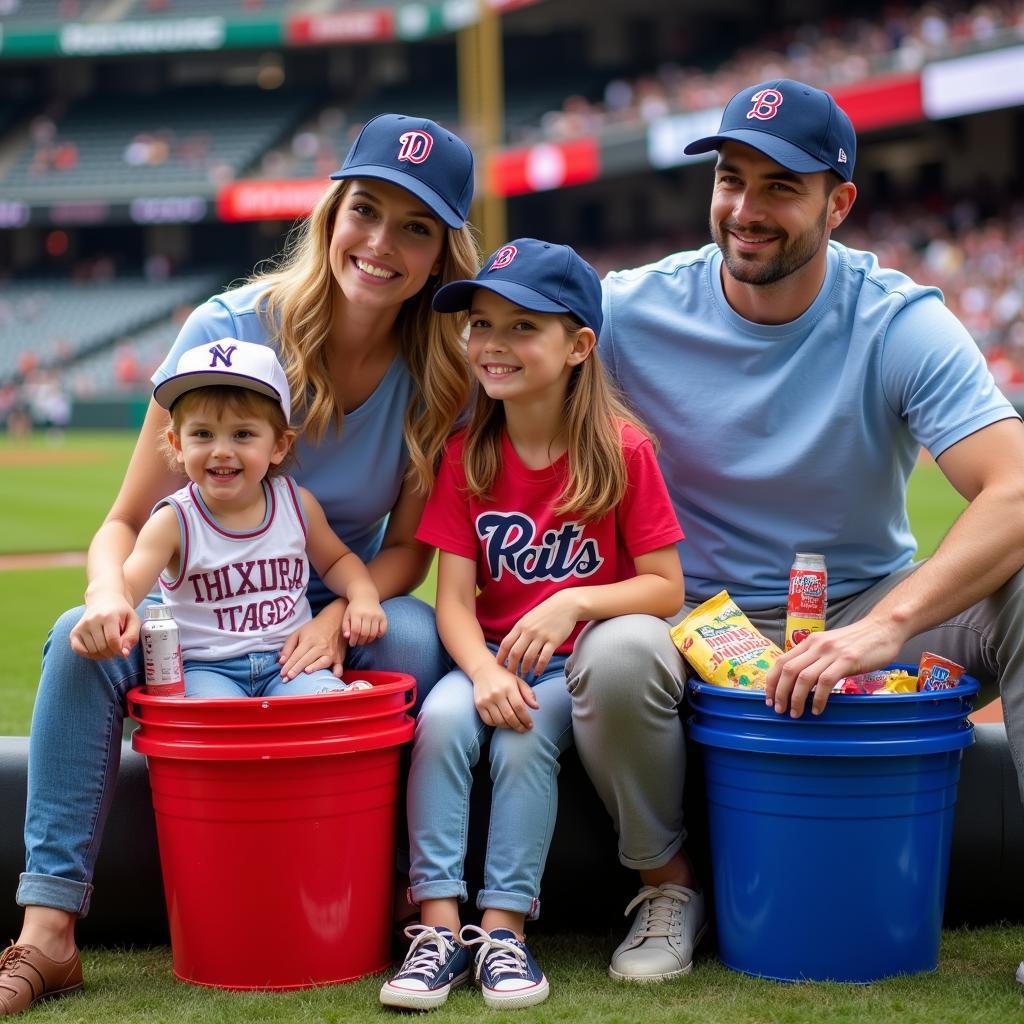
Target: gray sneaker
[(1020, 974), (668, 925)]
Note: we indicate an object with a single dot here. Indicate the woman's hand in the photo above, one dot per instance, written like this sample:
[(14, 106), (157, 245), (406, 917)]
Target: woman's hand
[(501, 698), (109, 626), (317, 644), (532, 641)]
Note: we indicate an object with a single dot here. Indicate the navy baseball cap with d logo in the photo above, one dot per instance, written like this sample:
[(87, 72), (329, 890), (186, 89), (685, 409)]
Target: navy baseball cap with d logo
[(429, 161), (536, 275), (796, 125)]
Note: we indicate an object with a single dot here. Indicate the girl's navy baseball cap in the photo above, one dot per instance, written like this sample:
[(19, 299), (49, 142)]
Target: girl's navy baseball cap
[(796, 125), (429, 161), (536, 275)]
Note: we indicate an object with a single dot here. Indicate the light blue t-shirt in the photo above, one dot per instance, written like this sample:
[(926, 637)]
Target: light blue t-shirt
[(356, 476), (799, 436)]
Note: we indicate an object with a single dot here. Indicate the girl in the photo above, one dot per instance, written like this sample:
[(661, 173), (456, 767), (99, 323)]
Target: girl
[(549, 511), (376, 381), (230, 548)]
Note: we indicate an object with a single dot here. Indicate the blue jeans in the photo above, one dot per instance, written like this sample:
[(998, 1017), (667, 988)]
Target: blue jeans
[(524, 771), (75, 745), (254, 675)]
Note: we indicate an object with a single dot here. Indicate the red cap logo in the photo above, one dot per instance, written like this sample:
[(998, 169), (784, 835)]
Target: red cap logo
[(416, 146), (504, 256)]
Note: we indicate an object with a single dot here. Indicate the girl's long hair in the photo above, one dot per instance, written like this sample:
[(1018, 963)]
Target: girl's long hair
[(592, 416), (299, 296)]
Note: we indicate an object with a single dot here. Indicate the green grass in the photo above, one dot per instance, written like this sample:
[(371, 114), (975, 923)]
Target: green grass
[(56, 494), (56, 506), (973, 985)]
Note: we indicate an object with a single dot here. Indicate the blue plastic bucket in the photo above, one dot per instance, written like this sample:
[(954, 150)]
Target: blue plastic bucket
[(830, 834)]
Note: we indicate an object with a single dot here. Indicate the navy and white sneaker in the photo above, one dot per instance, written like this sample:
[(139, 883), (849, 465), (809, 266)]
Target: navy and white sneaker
[(506, 973), (435, 964)]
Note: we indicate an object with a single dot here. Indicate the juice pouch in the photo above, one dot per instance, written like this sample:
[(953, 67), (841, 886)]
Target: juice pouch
[(718, 640)]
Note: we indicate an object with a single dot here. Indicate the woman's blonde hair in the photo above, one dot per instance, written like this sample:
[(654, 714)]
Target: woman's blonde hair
[(299, 304), (593, 413)]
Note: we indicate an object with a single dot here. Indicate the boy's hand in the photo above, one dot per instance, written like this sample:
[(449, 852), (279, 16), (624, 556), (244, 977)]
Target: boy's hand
[(365, 621), (109, 627), (538, 634), (501, 699)]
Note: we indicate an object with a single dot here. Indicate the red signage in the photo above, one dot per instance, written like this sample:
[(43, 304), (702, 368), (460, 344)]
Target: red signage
[(544, 166), (353, 26), (881, 102), (269, 200)]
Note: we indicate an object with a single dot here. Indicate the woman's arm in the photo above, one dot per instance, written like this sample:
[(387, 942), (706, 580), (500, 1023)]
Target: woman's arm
[(656, 589), (343, 571), (501, 699), (109, 623), (402, 563)]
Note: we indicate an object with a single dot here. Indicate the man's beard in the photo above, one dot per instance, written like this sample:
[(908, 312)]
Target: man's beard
[(792, 254)]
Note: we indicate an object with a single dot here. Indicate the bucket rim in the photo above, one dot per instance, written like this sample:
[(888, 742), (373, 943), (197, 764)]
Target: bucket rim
[(967, 687)]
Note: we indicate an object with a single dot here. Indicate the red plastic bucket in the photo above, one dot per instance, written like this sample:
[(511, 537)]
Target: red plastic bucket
[(276, 825)]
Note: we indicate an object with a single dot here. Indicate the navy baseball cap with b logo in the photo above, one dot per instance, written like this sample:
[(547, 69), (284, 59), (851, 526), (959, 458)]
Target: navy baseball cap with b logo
[(796, 125), (536, 275), (429, 161)]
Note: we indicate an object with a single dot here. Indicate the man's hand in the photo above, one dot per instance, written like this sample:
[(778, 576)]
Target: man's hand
[(820, 661)]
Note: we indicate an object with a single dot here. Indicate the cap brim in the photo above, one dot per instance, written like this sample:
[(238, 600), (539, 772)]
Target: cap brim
[(458, 295), (782, 152), (168, 392), (410, 183)]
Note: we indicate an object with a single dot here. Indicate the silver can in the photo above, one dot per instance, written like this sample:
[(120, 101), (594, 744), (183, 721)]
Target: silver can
[(161, 652)]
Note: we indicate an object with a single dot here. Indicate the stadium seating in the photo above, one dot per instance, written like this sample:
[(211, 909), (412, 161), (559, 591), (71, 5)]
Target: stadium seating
[(57, 321)]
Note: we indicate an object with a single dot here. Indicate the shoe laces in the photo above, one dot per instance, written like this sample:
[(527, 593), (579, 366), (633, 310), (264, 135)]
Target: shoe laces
[(428, 950), (503, 956), (660, 909), (11, 957)]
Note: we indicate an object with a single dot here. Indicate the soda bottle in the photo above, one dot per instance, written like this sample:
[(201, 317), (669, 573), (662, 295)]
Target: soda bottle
[(161, 652), (808, 597)]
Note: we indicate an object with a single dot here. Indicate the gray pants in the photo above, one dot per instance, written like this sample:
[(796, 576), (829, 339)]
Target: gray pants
[(627, 682)]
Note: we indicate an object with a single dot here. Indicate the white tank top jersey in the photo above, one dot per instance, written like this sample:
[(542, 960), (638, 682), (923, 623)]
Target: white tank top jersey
[(237, 593)]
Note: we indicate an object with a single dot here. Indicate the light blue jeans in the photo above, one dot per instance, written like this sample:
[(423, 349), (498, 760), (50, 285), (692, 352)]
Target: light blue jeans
[(254, 675), (75, 745), (524, 772)]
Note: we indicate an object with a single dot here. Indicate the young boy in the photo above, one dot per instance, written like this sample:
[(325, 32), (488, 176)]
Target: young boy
[(230, 548)]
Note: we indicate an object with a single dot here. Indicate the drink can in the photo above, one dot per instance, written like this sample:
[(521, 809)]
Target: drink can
[(808, 597), (161, 652)]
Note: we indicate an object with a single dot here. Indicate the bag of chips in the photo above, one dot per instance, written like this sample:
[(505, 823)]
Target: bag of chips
[(723, 647)]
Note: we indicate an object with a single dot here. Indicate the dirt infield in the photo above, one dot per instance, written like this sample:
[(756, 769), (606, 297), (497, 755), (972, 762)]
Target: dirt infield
[(43, 457), (44, 560)]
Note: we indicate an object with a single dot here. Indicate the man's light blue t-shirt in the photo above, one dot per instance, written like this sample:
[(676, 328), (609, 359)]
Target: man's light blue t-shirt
[(356, 476), (799, 436)]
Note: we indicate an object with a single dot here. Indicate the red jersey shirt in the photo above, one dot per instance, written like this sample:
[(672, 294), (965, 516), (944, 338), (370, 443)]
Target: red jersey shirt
[(523, 551)]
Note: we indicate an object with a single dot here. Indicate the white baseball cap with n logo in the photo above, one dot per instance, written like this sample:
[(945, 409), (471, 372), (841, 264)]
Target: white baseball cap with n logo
[(228, 362)]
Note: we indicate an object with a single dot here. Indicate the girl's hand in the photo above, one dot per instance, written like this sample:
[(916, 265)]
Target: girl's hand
[(317, 644), (109, 627), (501, 699), (538, 634), (364, 622)]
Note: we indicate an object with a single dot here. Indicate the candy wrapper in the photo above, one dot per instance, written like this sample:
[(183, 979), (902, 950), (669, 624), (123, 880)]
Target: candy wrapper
[(937, 673), (881, 681), (723, 647)]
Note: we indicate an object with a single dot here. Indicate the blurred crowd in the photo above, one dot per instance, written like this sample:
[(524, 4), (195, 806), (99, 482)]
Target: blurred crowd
[(831, 53)]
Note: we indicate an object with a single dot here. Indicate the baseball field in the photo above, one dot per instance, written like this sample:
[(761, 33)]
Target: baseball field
[(55, 494)]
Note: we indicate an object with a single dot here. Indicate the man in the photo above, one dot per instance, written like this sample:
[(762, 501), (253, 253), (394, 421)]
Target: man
[(792, 383)]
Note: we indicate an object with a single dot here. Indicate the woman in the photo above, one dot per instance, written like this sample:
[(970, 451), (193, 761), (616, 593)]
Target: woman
[(377, 380)]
